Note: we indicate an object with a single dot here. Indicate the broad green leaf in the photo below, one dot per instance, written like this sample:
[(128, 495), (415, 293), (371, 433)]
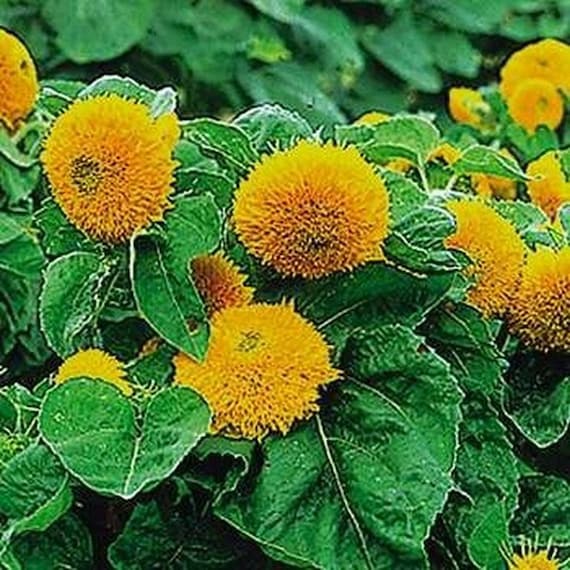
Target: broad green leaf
[(484, 160), (34, 490), (56, 94), (468, 16), (159, 102), (564, 216), (360, 485), (410, 137), (544, 510), (65, 544), (282, 10), (221, 140), (195, 181), (537, 396), (10, 151), (405, 195), (113, 448), (96, 30), (271, 126), (70, 300), (154, 368), (461, 335), (179, 540), (454, 53), (17, 184), (160, 277), (404, 49)]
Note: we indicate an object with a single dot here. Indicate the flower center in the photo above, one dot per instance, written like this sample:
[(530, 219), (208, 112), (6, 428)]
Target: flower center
[(250, 340), (86, 174)]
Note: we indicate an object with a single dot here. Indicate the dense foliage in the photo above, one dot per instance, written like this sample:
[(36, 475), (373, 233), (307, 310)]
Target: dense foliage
[(275, 343)]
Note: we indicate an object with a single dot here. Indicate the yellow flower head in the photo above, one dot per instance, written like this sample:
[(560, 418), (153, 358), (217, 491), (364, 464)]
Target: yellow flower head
[(110, 167), (263, 370), (400, 165), (549, 189), (445, 152), (547, 59), (490, 186), (496, 252), (532, 558), (536, 102), (540, 311), (372, 118), (312, 210), (220, 283), (18, 80), (96, 364), (467, 106)]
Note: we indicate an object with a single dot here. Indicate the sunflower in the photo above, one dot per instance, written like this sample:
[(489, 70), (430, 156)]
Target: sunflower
[(96, 364), (263, 370), (536, 102), (547, 59), (549, 188), (496, 252), (531, 558), (110, 167), (18, 80), (372, 118), (540, 312), (468, 106), (220, 283), (312, 210), (446, 153)]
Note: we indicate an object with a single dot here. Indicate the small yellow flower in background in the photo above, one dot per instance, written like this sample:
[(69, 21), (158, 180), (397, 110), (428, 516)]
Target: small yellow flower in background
[(400, 165), (496, 251), (445, 152), (540, 311), (549, 188), (96, 364), (372, 118), (18, 80), (312, 210), (490, 186), (220, 283), (263, 371), (531, 558), (468, 106), (110, 167), (547, 59), (536, 102)]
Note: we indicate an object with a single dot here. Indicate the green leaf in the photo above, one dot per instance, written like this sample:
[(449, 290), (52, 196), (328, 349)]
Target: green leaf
[(410, 137), (65, 544), (71, 299), (113, 448), (360, 486), (160, 102), (405, 195), (564, 215), (197, 181), (454, 53), (34, 490), (163, 290), (10, 151), (271, 126), (96, 30), (484, 160), (544, 510), (221, 140), (405, 51), (465, 15)]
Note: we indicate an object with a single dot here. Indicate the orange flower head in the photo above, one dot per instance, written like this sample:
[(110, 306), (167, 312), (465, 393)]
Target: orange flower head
[(372, 118), (540, 312), (548, 188), (468, 106), (220, 283), (110, 167), (496, 252), (18, 80), (536, 102), (312, 210), (263, 371), (547, 59)]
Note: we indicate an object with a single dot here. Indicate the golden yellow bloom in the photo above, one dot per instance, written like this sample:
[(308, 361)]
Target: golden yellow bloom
[(496, 252), (540, 312), (468, 106), (18, 80), (400, 165), (110, 167), (312, 210), (372, 118), (96, 364), (263, 370), (536, 102), (445, 152), (550, 189), (532, 558), (489, 186), (547, 59), (220, 283)]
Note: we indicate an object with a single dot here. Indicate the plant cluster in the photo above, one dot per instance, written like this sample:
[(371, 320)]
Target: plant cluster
[(260, 344)]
